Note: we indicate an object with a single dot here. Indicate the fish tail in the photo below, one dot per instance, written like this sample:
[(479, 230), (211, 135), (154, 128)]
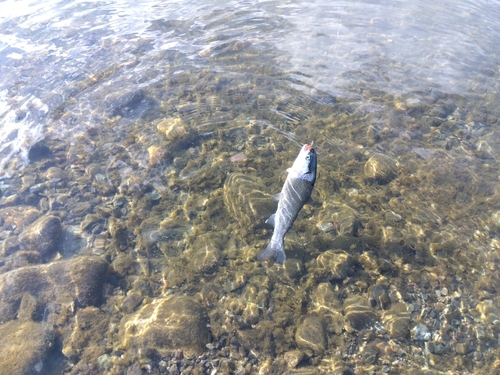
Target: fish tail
[(274, 250)]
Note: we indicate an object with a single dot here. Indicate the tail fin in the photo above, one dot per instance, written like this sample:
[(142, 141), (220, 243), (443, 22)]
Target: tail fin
[(274, 250)]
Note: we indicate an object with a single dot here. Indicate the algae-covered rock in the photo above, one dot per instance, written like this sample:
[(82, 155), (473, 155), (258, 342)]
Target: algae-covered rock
[(173, 128), (79, 281), (42, 235), (397, 321), (245, 200), (311, 335), (23, 347), (166, 324), (381, 168), (83, 336), (333, 265), (358, 313)]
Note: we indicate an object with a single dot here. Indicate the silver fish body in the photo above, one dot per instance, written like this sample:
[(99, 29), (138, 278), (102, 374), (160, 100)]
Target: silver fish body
[(296, 192)]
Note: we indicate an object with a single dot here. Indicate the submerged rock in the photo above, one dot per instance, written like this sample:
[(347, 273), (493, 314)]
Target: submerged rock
[(397, 321), (82, 338), (24, 347), (78, 280), (333, 265), (311, 335), (173, 128), (421, 333), (381, 168), (246, 202), (358, 314), (165, 325), (42, 235)]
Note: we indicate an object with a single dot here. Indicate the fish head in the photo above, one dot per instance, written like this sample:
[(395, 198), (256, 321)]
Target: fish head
[(304, 166)]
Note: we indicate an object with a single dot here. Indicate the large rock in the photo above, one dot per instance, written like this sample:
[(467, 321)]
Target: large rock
[(311, 335), (358, 314), (78, 281), (42, 235), (166, 324), (24, 345)]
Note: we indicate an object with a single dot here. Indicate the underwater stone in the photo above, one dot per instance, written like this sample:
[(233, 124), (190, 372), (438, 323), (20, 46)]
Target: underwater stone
[(55, 173), (397, 321), (23, 346), (246, 202), (311, 335), (205, 254), (42, 235), (333, 265), (79, 280), (381, 168), (165, 325), (341, 218), (17, 218), (131, 302), (9, 246), (358, 314), (293, 358), (421, 333), (173, 128), (379, 297), (82, 338)]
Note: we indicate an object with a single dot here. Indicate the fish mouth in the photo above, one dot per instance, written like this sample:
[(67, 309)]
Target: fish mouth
[(309, 147)]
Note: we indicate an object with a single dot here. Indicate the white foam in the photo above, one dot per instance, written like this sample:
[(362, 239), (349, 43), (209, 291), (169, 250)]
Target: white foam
[(17, 136)]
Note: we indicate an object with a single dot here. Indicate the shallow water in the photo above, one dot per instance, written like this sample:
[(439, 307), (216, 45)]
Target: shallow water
[(140, 144)]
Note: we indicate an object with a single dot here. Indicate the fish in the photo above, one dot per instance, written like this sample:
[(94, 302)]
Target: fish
[(296, 192)]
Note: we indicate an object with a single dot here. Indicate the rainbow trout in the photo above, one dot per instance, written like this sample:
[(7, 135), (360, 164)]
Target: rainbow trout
[(295, 193)]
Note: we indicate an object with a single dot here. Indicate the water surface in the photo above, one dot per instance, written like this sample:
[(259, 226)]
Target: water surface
[(156, 132)]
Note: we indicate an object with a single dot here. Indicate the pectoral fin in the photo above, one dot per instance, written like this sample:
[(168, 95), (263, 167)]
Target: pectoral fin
[(270, 221), (276, 197)]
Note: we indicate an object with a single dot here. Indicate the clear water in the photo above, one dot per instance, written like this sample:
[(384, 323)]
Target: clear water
[(417, 82)]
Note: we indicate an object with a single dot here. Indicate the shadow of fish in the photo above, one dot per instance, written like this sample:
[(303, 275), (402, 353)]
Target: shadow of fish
[(295, 193)]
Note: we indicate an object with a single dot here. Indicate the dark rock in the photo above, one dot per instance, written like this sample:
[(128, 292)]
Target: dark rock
[(358, 314), (79, 281), (42, 235), (311, 335), (131, 302)]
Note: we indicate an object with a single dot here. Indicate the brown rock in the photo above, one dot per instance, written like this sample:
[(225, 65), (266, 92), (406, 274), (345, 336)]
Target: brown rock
[(78, 280), (42, 235), (166, 324), (23, 347), (311, 335)]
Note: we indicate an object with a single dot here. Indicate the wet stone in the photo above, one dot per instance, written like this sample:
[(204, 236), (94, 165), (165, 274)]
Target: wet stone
[(380, 168), (333, 265), (311, 335), (421, 332), (24, 347), (165, 325), (79, 280), (358, 313), (42, 235)]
